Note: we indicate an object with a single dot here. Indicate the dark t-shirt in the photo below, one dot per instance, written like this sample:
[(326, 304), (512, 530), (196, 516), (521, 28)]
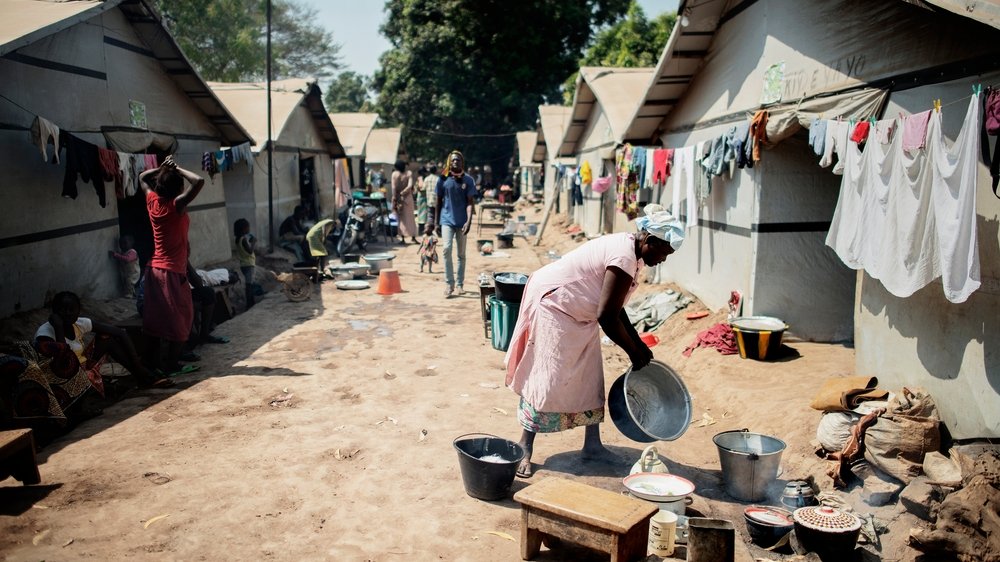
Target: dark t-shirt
[(290, 225)]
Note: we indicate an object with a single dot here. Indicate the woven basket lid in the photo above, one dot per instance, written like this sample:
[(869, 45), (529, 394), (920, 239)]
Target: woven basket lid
[(822, 518)]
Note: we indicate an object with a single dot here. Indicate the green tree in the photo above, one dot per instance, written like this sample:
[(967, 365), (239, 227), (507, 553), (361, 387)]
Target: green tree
[(226, 39), (479, 67), (631, 42), (348, 92)]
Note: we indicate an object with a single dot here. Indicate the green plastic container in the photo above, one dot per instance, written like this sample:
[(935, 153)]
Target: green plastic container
[(503, 316)]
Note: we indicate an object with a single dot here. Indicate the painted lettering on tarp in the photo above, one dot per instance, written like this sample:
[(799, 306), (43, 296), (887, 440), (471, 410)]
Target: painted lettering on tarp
[(800, 82)]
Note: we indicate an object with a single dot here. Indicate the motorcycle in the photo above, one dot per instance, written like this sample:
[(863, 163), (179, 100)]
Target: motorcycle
[(353, 231)]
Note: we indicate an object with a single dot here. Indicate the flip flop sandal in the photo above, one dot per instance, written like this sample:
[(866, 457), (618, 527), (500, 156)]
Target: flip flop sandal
[(186, 369), (158, 383), (215, 339)]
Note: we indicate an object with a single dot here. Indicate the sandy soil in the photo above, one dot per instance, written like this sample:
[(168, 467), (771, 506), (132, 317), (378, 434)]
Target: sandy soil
[(324, 431)]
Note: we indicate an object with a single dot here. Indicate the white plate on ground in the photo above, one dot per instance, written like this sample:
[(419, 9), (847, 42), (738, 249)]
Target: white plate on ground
[(352, 285)]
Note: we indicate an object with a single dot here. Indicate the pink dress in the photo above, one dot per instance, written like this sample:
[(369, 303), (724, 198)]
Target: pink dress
[(554, 360)]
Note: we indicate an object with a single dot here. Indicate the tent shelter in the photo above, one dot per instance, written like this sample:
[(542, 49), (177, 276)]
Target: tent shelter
[(109, 74), (383, 149), (527, 168), (305, 143), (552, 122), (604, 102), (353, 130), (762, 230)]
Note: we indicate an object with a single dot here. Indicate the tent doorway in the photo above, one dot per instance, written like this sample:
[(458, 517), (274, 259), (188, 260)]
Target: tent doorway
[(133, 219), (307, 186)]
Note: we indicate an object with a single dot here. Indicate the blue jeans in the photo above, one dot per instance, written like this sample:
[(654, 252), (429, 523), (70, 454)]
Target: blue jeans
[(450, 235)]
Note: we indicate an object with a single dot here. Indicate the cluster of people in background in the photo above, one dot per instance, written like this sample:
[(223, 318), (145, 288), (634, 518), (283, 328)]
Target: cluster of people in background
[(176, 302)]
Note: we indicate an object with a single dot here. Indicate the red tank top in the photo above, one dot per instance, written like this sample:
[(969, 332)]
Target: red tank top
[(170, 234)]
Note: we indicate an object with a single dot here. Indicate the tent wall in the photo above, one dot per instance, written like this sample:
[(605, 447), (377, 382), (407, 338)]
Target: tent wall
[(717, 256), (73, 236), (297, 140), (596, 144), (796, 276), (781, 265), (952, 350)]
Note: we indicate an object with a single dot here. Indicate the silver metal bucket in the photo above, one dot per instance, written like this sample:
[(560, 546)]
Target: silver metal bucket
[(749, 462)]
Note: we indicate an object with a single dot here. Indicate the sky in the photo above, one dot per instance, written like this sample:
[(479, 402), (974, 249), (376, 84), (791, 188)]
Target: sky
[(355, 24)]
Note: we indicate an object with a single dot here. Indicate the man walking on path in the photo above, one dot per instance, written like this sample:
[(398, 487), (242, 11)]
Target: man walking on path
[(455, 192)]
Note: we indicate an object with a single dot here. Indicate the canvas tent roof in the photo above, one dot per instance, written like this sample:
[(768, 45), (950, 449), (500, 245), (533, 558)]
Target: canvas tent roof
[(552, 121), (23, 22), (248, 102), (983, 11), (687, 47), (617, 90), (383, 146), (526, 141), (353, 130), (682, 56)]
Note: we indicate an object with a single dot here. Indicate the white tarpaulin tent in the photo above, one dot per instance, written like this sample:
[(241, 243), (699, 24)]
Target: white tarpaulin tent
[(304, 144), (109, 74), (762, 230), (552, 122), (383, 146), (353, 130), (603, 104)]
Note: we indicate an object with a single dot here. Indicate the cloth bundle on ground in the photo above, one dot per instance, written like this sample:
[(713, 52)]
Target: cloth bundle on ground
[(219, 276), (653, 311), (846, 393), (896, 444), (719, 336)]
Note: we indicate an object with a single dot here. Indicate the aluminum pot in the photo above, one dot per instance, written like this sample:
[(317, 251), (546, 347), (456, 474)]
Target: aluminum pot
[(651, 404), (829, 532), (749, 462)]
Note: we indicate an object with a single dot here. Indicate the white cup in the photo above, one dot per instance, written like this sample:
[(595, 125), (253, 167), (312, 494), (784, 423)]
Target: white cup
[(662, 533)]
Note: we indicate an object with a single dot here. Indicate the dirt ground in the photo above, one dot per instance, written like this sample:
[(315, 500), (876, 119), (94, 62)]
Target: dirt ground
[(324, 430)]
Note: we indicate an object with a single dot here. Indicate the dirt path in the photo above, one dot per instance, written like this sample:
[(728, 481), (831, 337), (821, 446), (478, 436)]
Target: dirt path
[(325, 429)]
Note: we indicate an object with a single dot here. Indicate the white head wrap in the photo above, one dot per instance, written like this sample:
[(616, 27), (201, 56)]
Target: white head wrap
[(661, 224)]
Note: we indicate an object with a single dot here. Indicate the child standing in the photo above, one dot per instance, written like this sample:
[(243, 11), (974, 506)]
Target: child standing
[(428, 253), (128, 264), (245, 245)]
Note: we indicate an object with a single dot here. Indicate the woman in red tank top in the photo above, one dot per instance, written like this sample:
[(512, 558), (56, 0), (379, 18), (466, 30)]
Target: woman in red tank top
[(168, 311)]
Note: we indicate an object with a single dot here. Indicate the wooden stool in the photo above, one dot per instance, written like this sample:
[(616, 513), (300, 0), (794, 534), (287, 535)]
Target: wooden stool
[(17, 456), (583, 515)]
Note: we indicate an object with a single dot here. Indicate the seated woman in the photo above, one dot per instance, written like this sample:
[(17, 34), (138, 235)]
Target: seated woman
[(67, 329)]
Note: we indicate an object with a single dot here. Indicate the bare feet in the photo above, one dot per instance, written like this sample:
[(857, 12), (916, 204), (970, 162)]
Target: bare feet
[(600, 453), (524, 468)]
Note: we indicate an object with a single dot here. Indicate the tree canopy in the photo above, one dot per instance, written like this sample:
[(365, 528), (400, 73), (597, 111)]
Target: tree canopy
[(348, 93), (632, 42), (479, 67), (226, 39)]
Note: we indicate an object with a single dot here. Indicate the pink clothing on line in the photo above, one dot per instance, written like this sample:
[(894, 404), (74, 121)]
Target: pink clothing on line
[(554, 360), (915, 130)]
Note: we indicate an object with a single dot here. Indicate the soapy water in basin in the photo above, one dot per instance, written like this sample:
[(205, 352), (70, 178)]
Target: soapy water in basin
[(661, 489), (761, 324), (495, 458)]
